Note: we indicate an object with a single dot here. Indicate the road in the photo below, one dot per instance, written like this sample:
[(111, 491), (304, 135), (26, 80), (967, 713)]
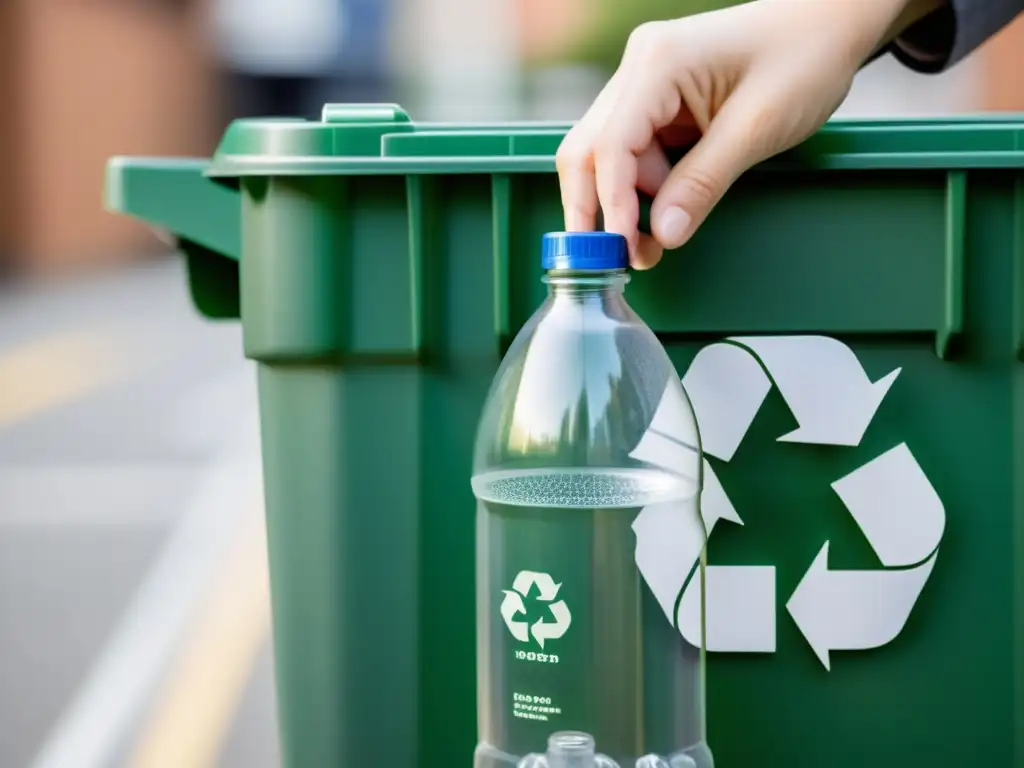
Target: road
[(132, 568)]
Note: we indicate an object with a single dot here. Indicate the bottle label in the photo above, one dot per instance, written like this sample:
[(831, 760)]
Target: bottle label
[(552, 642), (535, 630), (570, 637)]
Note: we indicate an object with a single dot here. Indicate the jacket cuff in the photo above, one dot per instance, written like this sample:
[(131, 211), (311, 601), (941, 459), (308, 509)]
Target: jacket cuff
[(934, 43)]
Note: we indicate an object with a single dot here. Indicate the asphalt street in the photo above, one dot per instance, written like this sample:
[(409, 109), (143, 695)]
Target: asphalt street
[(132, 561)]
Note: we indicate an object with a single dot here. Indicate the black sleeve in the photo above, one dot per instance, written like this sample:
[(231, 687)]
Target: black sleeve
[(942, 39)]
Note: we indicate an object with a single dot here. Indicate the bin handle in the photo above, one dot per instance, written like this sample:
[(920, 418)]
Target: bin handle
[(173, 194)]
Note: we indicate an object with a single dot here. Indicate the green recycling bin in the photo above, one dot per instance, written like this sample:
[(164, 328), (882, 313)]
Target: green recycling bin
[(849, 324)]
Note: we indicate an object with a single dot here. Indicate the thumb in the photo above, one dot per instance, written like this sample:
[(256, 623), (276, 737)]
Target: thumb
[(700, 179)]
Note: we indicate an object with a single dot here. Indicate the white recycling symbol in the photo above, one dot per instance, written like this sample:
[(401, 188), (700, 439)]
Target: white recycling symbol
[(890, 498), (513, 606)]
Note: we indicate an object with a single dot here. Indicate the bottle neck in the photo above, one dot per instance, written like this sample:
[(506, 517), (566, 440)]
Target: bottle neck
[(584, 285)]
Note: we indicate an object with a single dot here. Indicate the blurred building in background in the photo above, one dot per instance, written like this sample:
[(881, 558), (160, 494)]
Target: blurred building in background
[(287, 58), (1001, 66), (274, 55), (82, 81)]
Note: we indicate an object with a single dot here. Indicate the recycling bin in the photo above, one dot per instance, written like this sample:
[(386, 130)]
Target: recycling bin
[(849, 324)]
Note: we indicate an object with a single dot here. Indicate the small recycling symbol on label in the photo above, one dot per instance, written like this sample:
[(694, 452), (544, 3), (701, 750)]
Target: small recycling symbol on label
[(513, 605), (890, 498)]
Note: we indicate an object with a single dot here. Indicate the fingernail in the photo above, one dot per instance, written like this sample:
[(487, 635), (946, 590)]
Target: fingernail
[(674, 226)]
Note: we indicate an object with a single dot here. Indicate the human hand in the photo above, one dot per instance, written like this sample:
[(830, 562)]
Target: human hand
[(743, 83)]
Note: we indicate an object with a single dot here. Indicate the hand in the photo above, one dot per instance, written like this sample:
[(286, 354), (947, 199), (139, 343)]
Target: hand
[(740, 84)]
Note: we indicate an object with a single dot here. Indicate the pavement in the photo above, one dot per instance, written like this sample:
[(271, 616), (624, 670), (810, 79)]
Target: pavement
[(133, 585)]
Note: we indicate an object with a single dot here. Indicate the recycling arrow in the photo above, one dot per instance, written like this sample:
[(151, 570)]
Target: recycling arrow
[(662, 529), (854, 610), (824, 385), (739, 609), (545, 585), (903, 520), (726, 387), (669, 540), (511, 606), (552, 630), (896, 507)]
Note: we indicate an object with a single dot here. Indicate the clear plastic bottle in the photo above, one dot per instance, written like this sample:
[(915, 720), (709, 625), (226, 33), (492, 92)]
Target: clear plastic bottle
[(585, 426)]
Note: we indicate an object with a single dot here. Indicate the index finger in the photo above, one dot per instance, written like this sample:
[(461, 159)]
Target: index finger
[(575, 163), (650, 103), (626, 137)]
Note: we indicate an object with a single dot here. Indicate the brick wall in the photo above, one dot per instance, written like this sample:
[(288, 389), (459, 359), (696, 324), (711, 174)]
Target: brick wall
[(1003, 85), (86, 81)]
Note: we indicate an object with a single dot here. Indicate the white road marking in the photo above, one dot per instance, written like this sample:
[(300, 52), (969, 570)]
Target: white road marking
[(99, 717), (54, 371), (197, 706)]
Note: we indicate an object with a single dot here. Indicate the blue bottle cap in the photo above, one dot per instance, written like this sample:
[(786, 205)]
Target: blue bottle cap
[(599, 251)]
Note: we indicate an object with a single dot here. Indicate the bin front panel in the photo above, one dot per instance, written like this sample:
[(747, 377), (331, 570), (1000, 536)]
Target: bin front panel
[(919, 272), (893, 267), (384, 268)]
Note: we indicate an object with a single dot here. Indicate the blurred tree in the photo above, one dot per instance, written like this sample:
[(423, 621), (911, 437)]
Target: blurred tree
[(593, 32)]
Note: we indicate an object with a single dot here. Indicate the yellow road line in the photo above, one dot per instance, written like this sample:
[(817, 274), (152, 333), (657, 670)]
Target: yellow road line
[(51, 372), (197, 707)]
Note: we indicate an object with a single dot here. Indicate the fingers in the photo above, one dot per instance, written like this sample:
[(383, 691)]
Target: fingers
[(647, 101), (648, 252), (575, 164), (697, 183), (616, 171), (598, 162), (652, 171), (746, 77)]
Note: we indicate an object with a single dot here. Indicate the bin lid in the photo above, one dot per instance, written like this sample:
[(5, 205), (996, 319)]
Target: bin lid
[(381, 139)]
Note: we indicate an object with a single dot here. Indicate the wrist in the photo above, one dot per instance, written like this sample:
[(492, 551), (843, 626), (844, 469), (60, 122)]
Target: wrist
[(879, 22), (861, 27)]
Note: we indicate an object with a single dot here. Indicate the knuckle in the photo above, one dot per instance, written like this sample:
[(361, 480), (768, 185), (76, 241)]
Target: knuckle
[(617, 199), (608, 148), (571, 154), (703, 185), (648, 41), (764, 121)]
